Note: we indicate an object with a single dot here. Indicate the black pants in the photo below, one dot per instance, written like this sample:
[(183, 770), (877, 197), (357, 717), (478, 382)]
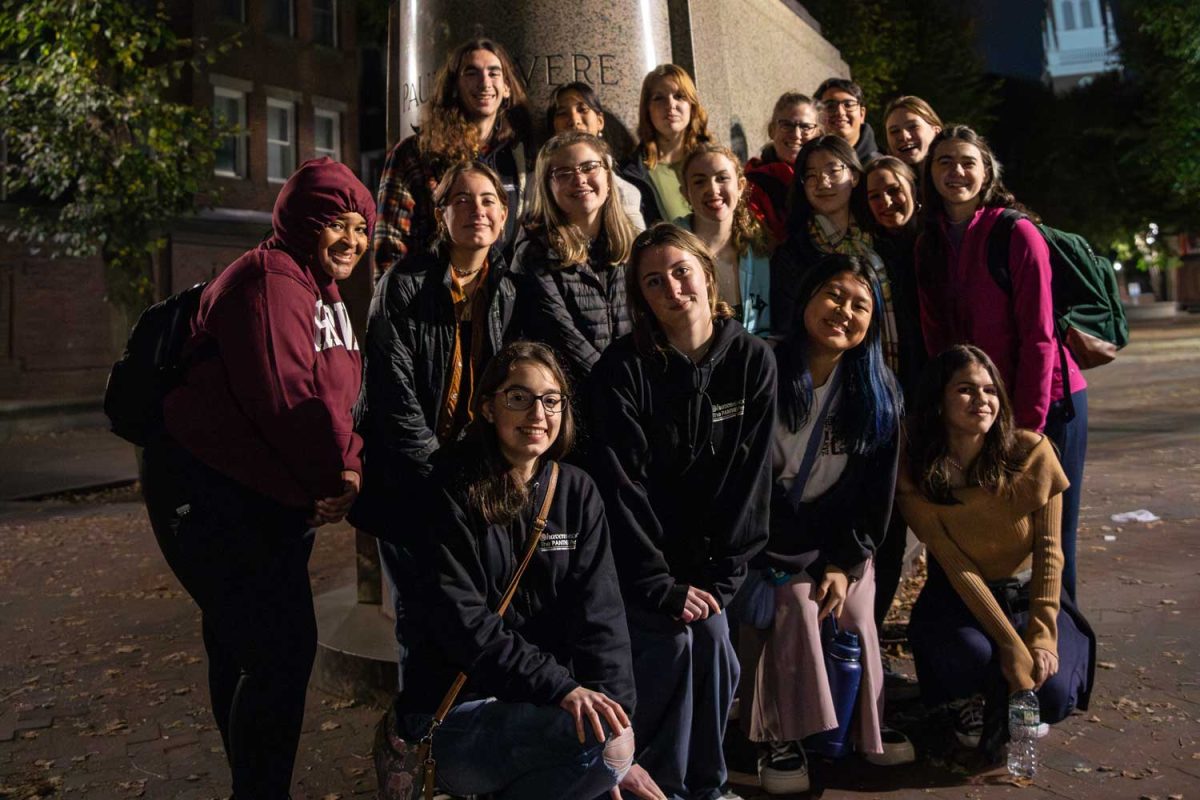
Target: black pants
[(889, 565), (244, 559)]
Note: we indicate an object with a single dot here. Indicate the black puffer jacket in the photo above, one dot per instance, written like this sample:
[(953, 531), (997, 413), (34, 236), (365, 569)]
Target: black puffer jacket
[(633, 169), (407, 351), (578, 310), (566, 625), (682, 458)]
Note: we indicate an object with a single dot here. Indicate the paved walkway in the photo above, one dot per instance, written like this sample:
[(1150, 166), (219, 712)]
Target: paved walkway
[(102, 679)]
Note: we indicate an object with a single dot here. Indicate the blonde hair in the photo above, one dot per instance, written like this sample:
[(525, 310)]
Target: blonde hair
[(566, 239), (787, 100), (915, 105), (748, 232), (697, 129), (648, 335)]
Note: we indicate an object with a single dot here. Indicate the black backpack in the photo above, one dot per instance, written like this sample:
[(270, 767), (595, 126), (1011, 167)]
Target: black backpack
[(151, 366), (1088, 314)]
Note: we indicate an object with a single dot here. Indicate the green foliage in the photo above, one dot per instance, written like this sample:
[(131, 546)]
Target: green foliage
[(94, 136), (921, 47)]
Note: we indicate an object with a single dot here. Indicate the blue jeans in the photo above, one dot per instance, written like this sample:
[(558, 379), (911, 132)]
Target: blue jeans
[(1070, 437), (515, 751)]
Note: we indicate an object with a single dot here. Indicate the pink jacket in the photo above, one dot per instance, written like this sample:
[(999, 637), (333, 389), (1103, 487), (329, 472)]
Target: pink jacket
[(964, 304)]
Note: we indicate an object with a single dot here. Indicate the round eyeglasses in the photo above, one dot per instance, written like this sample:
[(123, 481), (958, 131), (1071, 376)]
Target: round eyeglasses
[(517, 398)]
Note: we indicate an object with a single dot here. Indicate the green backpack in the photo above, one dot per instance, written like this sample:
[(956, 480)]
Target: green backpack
[(1089, 316)]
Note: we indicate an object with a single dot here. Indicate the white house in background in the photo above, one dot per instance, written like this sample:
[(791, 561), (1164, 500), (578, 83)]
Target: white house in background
[(1080, 41)]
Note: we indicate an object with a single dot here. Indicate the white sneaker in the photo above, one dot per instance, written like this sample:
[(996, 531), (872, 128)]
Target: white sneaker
[(783, 768), (897, 749), (968, 720)]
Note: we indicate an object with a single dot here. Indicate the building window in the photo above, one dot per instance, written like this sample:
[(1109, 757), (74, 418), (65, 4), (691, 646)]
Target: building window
[(1085, 14), (281, 140), (229, 109), (233, 9), (325, 22), (327, 134), (1068, 15), (281, 17)]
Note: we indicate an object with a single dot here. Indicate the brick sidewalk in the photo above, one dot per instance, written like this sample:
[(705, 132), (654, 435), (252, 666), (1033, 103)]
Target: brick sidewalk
[(102, 680)]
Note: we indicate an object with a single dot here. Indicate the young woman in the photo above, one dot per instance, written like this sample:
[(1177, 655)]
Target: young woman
[(545, 709), (910, 124), (961, 302), (572, 257), (986, 497), (671, 122), (259, 449), (576, 107), (683, 409), (721, 218), (826, 219), (434, 323), (793, 124), (834, 461), (478, 111), (891, 196)]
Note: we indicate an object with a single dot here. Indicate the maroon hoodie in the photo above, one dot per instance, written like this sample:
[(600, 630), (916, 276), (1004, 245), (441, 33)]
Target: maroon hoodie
[(272, 408)]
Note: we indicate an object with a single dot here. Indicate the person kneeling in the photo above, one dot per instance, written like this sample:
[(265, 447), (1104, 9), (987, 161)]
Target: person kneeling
[(545, 709)]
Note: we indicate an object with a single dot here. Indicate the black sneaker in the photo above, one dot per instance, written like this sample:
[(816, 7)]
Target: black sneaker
[(783, 768), (968, 720)]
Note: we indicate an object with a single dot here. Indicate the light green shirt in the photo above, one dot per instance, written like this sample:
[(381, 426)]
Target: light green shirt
[(665, 179)]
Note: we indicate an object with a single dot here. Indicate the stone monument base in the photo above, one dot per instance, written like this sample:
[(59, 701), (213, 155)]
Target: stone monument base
[(356, 648)]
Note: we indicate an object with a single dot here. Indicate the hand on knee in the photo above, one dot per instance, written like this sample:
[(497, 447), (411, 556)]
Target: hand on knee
[(618, 752)]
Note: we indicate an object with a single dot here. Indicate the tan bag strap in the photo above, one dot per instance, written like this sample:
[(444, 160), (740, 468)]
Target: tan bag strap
[(539, 525)]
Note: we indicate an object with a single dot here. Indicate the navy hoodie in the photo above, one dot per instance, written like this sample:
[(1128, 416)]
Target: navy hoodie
[(270, 407), (682, 456)]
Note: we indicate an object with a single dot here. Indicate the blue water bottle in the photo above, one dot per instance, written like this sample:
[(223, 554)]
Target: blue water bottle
[(843, 666)]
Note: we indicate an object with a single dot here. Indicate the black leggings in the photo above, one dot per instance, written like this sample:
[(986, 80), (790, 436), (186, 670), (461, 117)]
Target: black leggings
[(244, 559)]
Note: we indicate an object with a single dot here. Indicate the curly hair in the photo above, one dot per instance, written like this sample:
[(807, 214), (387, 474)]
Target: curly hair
[(748, 233), (445, 132)]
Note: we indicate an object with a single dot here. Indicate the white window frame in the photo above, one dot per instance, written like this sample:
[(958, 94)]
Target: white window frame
[(239, 157), (328, 113), (290, 107), (334, 11)]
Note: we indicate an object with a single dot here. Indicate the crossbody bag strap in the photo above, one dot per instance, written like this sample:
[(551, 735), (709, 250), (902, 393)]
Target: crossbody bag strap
[(539, 525)]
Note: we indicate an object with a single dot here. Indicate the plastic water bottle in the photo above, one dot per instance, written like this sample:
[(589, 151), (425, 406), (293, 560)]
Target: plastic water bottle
[(1023, 720)]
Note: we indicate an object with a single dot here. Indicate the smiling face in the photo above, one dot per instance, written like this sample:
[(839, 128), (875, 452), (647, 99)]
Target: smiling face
[(958, 176), (578, 178), (971, 402), (675, 287), (341, 245), (482, 88), (836, 318), (473, 214), (909, 135), (524, 435), (890, 198), (713, 186), (670, 110), (828, 183), (571, 112), (791, 129), (842, 115)]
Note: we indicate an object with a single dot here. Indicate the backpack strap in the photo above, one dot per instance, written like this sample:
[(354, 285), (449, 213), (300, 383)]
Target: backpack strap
[(999, 239)]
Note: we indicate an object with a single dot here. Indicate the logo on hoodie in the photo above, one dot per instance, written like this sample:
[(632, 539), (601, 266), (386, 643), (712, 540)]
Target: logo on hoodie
[(333, 327), (724, 411), (553, 542)]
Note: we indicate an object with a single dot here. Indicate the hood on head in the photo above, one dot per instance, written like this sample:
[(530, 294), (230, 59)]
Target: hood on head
[(315, 195)]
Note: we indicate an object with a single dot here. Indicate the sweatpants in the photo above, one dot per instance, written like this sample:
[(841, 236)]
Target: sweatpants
[(686, 676), (244, 559)]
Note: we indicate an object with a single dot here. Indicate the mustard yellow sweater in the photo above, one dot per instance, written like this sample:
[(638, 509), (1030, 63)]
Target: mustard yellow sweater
[(989, 537)]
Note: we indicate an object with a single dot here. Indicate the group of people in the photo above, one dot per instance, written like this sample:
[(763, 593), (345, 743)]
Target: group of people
[(688, 377)]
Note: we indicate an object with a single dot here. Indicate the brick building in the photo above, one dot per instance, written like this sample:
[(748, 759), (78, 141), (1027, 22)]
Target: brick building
[(292, 85)]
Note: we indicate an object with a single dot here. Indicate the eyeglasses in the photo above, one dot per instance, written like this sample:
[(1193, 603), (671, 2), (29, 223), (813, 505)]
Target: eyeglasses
[(566, 173), (831, 106), (834, 172), (516, 398), (789, 125)]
